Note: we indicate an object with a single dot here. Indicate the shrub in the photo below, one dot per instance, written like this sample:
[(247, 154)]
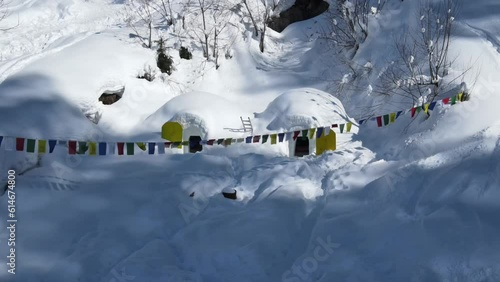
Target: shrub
[(185, 54)]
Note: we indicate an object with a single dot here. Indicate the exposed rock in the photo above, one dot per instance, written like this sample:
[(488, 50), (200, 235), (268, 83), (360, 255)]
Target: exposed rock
[(110, 97), (300, 11), (229, 194)]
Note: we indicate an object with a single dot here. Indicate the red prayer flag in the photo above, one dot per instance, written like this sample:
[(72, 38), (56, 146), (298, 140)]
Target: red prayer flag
[(20, 144), (72, 147), (295, 135), (413, 110), (446, 101), (121, 147), (379, 121)]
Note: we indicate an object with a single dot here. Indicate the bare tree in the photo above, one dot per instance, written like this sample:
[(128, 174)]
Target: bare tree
[(266, 14), (423, 54), (141, 12), (164, 8), (256, 29), (221, 15)]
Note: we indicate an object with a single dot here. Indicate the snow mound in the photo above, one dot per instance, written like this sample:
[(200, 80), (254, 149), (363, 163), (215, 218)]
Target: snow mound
[(208, 112), (303, 108)]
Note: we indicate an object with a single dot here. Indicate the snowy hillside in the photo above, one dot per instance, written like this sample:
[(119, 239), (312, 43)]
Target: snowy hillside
[(415, 199)]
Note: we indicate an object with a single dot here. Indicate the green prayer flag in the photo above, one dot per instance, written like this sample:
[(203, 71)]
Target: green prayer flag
[(264, 138), (228, 141), (386, 119), (82, 147), (453, 100), (341, 126), (304, 133), (30, 145), (130, 148), (42, 146)]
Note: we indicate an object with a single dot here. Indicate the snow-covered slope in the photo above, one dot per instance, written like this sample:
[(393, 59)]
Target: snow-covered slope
[(413, 201)]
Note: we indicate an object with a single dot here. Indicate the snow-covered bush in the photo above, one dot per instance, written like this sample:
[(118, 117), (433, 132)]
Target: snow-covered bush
[(164, 62)]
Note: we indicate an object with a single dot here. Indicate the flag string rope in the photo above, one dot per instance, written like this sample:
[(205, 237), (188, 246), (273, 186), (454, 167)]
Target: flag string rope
[(128, 148)]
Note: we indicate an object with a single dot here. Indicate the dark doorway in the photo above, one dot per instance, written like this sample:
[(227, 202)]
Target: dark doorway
[(194, 144), (302, 147)]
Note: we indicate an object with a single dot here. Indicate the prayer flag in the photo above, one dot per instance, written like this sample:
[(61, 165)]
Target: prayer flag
[(312, 132), (273, 138), (281, 137), (151, 148), (413, 111), (72, 147), (52, 145), (379, 121), (92, 149), (295, 135), (392, 117), (1, 138), (264, 138), (130, 149), (219, 141), (42, 146), (319, 132), (446, 101), (19, 144), (349, 126), (102, 148), (248, 139), (398, 114), (82, 147), (112, 148), (121, 147), (342, 128), (256, 139), (386, 119), (211, 142), (228, 141), (161, 148), (432, 106), (30, 145), (141, 145)]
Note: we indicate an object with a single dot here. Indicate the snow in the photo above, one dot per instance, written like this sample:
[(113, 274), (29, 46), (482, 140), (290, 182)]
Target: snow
[(413, 201)]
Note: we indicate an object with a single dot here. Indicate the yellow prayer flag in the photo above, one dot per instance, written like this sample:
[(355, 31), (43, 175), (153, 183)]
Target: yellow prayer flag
[(392, 118), (426, 108), (273, 138), (349, 126), (42, 146), (312, 131), (92, 149)]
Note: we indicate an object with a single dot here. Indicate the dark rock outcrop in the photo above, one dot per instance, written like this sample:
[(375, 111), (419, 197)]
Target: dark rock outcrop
[(110, 97), (300, 11)]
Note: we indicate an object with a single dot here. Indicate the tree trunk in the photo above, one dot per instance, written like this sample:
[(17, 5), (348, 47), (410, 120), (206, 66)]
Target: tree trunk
[(256, 30)]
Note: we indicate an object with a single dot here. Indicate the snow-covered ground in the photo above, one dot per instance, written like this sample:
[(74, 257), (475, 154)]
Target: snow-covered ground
[(414, 201)]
